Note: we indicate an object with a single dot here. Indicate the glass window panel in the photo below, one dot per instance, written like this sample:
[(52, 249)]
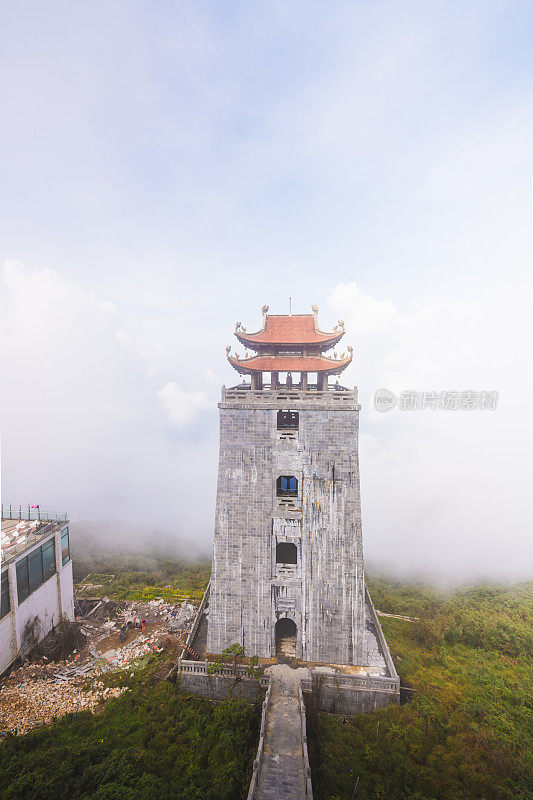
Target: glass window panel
[(5, 606), (49, 559), (65, 548), (35, 569), (23, 586)]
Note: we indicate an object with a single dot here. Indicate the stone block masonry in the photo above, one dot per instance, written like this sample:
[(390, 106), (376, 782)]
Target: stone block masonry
[(251, 590)]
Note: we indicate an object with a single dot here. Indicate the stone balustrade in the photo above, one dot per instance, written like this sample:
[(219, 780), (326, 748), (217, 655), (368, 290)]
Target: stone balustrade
[(261, 746)]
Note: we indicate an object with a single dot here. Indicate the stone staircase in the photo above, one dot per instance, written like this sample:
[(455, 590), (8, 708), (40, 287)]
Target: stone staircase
[(281, 773)]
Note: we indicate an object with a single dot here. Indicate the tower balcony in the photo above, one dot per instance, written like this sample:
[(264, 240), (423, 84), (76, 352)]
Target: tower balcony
[(289, 396)]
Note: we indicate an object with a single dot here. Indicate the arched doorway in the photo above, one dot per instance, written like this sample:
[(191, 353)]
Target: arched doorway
[(285, 635)]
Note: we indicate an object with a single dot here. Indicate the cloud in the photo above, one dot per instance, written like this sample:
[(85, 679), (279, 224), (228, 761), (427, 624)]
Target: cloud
[(88, 427), (180, 407), (307, 147), (83, 428), (442, 490)]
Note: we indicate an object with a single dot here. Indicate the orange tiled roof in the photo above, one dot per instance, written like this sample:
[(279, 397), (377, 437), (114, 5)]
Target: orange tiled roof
[(284, 329), (291, 363)]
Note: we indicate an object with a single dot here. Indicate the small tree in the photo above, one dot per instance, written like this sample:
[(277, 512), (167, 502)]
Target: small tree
[(232, 657)]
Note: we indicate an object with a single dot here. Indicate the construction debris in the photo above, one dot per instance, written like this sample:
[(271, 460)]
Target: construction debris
[(110, 637), (36, 702)]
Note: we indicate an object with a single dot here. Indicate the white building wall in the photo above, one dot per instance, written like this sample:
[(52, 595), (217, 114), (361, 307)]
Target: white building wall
[(66, 591), (48, 602), (8, 648)]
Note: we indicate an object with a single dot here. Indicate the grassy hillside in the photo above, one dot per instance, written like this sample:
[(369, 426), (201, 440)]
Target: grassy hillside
[(172, 580), (152, 743), (129, 563), (466, 733)]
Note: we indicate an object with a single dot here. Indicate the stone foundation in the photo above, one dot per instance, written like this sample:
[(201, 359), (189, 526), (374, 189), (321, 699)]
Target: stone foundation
[(215, 687)]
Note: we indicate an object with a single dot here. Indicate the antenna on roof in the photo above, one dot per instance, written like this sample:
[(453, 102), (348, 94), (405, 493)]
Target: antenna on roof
[(290, 306)]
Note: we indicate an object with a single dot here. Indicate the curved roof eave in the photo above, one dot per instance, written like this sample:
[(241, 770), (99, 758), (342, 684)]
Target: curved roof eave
[(247, 366)]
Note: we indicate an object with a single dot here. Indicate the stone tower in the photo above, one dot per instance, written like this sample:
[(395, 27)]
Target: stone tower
[(288, 556)]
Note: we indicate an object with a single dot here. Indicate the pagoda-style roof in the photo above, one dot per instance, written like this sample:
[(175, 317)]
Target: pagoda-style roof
[(289, 363), (289, 329)]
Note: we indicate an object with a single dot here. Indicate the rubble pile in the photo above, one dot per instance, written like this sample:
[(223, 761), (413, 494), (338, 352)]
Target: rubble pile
[(116, 636), (141, 646), (33, 701)]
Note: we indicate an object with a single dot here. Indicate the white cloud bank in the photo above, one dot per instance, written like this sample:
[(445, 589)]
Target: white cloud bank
[(180, 407), (85, 422), (89, 426), (444, 490)]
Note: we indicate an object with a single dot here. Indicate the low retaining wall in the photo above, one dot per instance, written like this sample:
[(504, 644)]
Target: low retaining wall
[(195, 677), (216, 687), (196, 622), (305, 754), (252, 791), (381, 639), (351, 694), (336, 695)]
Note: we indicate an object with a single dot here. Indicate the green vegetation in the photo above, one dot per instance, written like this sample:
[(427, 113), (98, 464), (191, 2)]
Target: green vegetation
[(152, 743), (136, 564), (172, 580), (466, 733), (234, 656)]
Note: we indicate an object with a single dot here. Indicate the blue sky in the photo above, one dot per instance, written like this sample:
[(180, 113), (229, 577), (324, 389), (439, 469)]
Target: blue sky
[(168, 168)]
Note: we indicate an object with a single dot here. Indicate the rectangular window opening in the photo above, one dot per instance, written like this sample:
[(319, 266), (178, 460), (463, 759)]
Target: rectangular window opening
[(288, 420), (49, 559), (35, 569), (65, 547), (286, 553), (23, 583), (5, 603)]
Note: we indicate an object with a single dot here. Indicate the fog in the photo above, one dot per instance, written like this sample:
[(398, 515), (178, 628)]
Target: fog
[(166, 173), (89, 427)]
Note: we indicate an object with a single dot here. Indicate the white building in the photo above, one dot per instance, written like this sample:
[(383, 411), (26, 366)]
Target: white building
[(35, 580)]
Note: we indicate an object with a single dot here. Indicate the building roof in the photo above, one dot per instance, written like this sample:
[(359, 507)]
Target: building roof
[(288, 363), (19, 535), (289, 329)]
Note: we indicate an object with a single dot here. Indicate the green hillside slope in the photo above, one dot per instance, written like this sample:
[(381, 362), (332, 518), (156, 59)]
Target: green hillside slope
[(465, 734)]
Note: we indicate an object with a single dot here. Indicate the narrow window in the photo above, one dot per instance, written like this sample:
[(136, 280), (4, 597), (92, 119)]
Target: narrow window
[(286, 553), (65, 549), (5, 605), (288, 420), (23, 584), (287, 486), (49, 559), (35, 569)]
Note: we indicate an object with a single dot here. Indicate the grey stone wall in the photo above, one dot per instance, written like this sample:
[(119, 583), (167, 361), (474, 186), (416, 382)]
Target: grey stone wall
[(324, 592), (215, 687), (337, 697)]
